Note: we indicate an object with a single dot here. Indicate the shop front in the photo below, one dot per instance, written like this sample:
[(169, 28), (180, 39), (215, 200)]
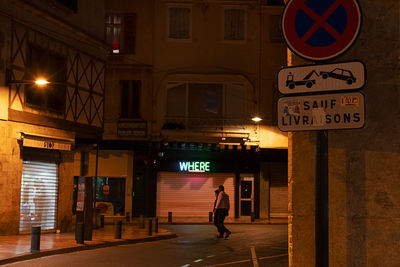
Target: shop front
[(186, 181)]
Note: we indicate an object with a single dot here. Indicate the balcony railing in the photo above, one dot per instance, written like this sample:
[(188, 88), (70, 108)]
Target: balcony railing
[(192, 123)]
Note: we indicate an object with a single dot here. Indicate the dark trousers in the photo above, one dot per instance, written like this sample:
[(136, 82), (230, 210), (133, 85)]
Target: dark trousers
[(219, 221)]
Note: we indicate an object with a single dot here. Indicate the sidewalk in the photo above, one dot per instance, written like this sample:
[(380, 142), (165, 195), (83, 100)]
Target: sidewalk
[(17, 247)]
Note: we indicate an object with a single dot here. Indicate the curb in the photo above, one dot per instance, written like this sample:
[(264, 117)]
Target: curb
[(85, 247)]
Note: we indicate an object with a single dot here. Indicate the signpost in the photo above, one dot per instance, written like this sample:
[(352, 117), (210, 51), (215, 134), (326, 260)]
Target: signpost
[(319, 30), (321, 78)]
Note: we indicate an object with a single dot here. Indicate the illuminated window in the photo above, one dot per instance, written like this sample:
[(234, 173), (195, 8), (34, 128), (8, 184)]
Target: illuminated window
[(121, 33), (234, 24), (179, 23)]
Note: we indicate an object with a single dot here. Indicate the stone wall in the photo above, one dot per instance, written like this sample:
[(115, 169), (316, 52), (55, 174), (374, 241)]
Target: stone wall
[(364, 212), (11, 173)]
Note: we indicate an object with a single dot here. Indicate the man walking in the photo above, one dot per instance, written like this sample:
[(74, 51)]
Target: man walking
[(221, 211)]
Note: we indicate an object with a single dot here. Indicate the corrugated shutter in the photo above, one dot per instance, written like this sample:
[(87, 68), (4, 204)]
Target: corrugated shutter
[(279, 190), (39, 194), (191, 194)]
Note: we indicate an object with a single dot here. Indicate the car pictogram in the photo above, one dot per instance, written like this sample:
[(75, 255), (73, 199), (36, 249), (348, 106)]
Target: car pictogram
[(340, 74), (291, 83)]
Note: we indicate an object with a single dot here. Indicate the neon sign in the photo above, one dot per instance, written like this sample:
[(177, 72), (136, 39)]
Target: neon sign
[(194, 166)]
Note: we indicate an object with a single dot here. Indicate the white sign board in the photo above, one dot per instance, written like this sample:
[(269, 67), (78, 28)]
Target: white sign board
[(321, 112), (321, 78)]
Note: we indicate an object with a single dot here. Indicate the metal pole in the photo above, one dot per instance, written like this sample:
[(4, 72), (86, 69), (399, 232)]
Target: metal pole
[(321, 201), (35, 239), (96, 170)]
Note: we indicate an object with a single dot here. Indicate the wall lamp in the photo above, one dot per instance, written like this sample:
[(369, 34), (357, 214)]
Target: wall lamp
[(39, 81)]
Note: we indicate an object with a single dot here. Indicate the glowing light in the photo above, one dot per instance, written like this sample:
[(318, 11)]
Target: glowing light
[(256, 119), (41, 82), (194, 166)]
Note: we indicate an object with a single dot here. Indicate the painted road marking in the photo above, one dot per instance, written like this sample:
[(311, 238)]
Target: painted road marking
[(274, 256), (254, 259), (254, 256)]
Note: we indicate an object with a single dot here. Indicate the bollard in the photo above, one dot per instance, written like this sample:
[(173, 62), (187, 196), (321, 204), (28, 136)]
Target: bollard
[(118, 229), (148, 229), (35, 239), (80, 233), (102, 221), (170, 217), (141, 222), (155, 225), (253, 216), (210, 216)]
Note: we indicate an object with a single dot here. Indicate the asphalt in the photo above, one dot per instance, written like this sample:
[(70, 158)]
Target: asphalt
[(16, 248)]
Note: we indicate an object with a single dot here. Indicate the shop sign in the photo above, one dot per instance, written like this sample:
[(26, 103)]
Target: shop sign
[(194, 166), (321, 112), (132, 129), (80, 204), (46, 142)]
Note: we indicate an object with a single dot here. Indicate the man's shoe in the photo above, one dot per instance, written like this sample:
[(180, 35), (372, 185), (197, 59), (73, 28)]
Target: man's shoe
[(220, 236), (227, 235)]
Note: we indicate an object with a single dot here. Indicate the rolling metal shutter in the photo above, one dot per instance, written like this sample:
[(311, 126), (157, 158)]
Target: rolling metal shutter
[(39, 195), (191, 194), (279, 190)]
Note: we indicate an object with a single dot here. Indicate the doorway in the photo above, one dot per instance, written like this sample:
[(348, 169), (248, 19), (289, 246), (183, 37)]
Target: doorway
[(246, 194)]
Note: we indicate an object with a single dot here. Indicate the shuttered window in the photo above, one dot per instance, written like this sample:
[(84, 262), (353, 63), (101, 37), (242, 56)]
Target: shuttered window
[(39, 194), (234, 24)]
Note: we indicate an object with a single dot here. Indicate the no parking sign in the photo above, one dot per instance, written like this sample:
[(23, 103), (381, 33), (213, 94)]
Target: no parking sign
[(320, 29)]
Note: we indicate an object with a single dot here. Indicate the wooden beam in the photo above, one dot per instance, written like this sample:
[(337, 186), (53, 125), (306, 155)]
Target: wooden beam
[(81, 130)]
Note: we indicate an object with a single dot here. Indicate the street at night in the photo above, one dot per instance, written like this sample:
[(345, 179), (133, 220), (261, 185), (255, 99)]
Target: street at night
[(196, 245)]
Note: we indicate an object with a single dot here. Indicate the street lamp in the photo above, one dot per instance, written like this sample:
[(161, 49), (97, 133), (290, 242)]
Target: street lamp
[(256, 119)]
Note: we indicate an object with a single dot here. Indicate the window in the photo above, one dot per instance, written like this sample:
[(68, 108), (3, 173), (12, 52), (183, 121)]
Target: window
[(179, 23), (275, 34), (130, 99), (275, 3), (121, 33), (204, 104), (71, 4), (45, 64), (234, 24)]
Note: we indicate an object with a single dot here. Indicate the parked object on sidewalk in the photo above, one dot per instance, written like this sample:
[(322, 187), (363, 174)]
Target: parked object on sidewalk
[(141, 222), (155, 225), (118, 229), (149, 227), (80, 233), (35, 239), (170, 216), (101, 221)]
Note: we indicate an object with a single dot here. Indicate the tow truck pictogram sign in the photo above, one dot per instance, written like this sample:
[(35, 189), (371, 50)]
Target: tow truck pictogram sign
[(320, 29), (320, 78)]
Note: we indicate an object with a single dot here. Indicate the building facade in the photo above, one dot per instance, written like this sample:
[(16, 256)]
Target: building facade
[(60, 42), (183, 82), (363, 163)]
